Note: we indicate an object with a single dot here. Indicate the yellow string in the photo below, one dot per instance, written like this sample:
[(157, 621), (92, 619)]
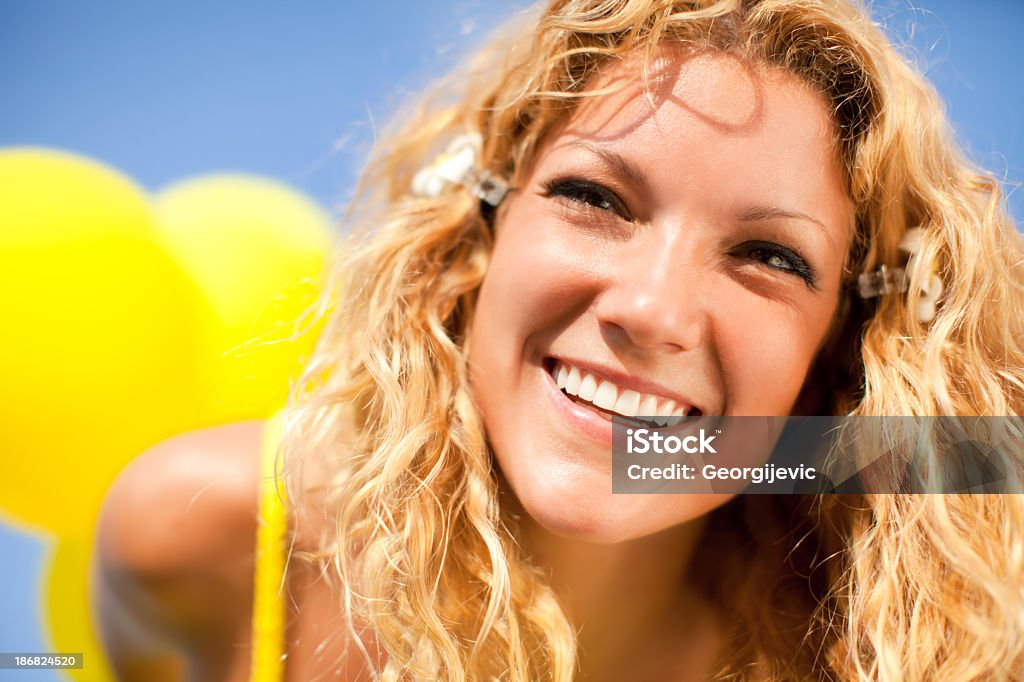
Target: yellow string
[(268, 616)]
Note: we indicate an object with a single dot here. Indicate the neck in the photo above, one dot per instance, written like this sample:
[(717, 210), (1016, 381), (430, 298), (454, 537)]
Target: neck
[(623, 599)]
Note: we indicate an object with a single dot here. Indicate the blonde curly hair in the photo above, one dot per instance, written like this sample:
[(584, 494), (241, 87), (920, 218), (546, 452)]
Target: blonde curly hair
[(872, 587)]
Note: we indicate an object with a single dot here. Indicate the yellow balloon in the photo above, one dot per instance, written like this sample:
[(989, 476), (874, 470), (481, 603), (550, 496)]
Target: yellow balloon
[(68, 611), (126, 322), (256, 251), (98, 340)]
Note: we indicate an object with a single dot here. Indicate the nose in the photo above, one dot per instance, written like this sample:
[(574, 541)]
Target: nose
[(654, 300)]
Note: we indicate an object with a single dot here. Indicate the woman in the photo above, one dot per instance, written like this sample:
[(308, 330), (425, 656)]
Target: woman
[(693, 190)]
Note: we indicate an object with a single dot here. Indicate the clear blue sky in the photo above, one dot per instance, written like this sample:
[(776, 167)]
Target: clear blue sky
[(167, 90), (164, 91)]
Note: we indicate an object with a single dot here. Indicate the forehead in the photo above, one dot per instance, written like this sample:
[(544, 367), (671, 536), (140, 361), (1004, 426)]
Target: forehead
[(720, 126), (734, 98)]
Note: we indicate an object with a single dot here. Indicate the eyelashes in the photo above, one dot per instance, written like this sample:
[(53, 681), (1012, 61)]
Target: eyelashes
[(588, 196), (780, 258), (596, 201)]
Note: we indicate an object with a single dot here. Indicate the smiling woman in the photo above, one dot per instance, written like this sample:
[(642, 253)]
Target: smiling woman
[(645, 245), (693, 190)]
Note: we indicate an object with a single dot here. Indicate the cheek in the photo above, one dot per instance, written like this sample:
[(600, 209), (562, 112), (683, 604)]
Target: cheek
[(536, 281), (766, 351), (533, 288)]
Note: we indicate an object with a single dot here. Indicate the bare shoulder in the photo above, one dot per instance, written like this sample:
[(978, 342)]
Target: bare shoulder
[(175, 562), (186, 503), (174, 551)]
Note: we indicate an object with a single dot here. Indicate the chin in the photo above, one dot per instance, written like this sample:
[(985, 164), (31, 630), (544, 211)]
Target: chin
[(576, 507), (578, 511), (592, 528)]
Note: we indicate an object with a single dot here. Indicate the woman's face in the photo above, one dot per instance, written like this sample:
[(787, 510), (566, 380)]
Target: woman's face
[(682, 245)]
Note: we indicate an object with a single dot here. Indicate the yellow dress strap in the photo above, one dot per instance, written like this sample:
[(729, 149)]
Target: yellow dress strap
[(268, 615)]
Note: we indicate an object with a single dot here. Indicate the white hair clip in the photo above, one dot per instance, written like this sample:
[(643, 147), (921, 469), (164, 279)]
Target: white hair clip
[(895, 280), (457, 166)]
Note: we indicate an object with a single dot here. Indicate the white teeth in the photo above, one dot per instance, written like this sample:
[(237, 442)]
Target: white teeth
[(666, 409), (572, 382), (588, 387), (605, 395), (561, 375), (676, 416), (608, 396), (649, 407), (628, 404)]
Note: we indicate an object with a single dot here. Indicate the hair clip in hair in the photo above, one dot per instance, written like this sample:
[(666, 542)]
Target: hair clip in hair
[(932, 287), (882, 281), (887, 280), (488, 188), (457, 166)]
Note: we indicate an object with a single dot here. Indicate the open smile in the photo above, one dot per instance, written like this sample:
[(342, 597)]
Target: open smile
[(607, 399)]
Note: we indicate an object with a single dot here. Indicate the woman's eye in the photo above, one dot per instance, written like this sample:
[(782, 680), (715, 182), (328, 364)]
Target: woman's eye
[(587, 194), (780, 258)]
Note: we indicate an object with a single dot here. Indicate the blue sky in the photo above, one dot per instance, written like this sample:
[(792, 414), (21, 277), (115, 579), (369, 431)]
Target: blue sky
[(164, 91)]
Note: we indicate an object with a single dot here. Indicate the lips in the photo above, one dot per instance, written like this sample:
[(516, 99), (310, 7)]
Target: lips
[(608, 398)]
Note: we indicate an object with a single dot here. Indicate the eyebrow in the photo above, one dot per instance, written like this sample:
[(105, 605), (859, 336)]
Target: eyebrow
[(761, 213), (618, 163)]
